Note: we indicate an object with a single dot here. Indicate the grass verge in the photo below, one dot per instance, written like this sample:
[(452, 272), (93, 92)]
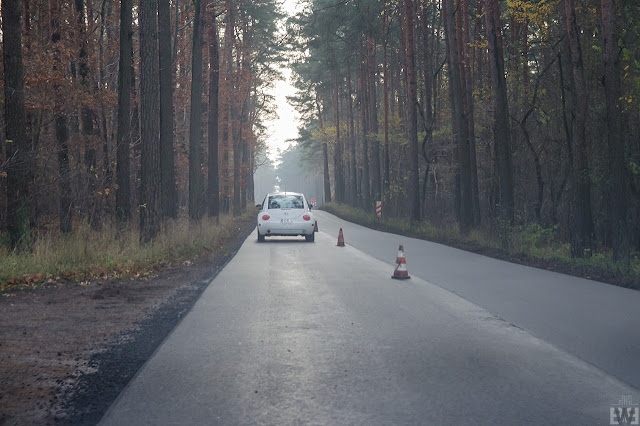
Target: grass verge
[(86, 254), (530, 245)]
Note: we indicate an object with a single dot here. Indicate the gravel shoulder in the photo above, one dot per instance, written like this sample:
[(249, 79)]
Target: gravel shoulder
[(68, 349)]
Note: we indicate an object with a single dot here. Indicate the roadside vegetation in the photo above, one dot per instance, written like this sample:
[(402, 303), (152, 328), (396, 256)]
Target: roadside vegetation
[(87, 254), (529, 244)]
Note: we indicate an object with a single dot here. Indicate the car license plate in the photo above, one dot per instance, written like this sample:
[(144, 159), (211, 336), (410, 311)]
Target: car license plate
[(286, 221)]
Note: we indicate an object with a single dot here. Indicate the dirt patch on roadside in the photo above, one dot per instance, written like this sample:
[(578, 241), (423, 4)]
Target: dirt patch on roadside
[(67, 350)]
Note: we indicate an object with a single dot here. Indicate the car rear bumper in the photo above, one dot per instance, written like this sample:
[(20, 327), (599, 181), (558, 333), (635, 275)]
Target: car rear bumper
[(283, 232)]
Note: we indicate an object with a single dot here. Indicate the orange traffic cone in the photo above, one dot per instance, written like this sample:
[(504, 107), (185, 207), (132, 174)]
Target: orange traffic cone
[(340, 239), (401, 273)]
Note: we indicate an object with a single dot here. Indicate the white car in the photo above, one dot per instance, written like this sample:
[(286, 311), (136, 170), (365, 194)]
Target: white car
[(286, 214)]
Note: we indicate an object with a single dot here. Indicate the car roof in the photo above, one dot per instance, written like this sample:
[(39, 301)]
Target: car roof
[(284, 193)]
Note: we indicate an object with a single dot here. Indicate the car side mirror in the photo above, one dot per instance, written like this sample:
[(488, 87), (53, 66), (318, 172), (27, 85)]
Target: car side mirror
[(259, 206), (310, 206)]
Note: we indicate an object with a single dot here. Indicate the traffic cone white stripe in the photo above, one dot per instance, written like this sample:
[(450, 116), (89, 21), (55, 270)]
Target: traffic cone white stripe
[(401, 272)]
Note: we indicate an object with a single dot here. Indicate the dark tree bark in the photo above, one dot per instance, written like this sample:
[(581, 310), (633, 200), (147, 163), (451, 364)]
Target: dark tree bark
[(17, 147), (196, 190), (325, 156), (352, 141), (372, 67), (169, 195), (616, 118), (479, 53), (337, 153), (581, 223), (243, 141), (62, 129), (123, 192), (464, 51), (87, 118), (460, 127), (234, 125), (412, 115), (213, 186), (105, 15), (151, 180), (365, 196), (386, 180), (244, 161), (501, 129), (327, 183), (230, 111), (243, 150)]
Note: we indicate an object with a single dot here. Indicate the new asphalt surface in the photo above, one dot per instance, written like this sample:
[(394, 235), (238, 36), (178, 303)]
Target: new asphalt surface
[(292, 332)]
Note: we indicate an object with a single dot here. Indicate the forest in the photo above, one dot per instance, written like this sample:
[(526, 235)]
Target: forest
[(468, 113), (125, 115), (493, 114)]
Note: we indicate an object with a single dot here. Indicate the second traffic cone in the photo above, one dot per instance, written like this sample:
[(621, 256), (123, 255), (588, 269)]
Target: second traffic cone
[(401, 273), (340, 239)]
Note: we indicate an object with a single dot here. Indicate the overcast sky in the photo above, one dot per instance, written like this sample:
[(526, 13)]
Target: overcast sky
[(285, 127)]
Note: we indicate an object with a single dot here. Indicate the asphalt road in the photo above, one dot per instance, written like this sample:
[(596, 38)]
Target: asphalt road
[(309, 333), (597, 322)]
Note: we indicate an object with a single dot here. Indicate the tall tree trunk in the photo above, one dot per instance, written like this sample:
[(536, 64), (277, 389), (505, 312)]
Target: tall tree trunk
[(150, 198), (337, 157), (229, 146), (412, 115), (616, 118), (169, 195), (460, 127), (176, 32), (365, 111), (581, 223), (62, 129), (245, 121), (87, 115), (213, 187), (501, 129), (251, 194), (567, 114), (372, 68), (123, 191), (464, 43), (196, 190), (237, 160), (352, 141), (386, 181), (243, 140), (325, 155), (17, 147), (104, 129), (479, 53)]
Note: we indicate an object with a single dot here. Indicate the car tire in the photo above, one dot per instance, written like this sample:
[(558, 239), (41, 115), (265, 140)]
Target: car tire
[(260, 238), (310, 238)]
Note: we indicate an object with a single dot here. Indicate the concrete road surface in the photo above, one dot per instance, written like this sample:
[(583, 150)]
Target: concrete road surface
[(309, 333)]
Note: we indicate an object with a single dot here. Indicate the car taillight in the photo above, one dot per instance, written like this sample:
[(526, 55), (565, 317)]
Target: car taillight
[(265, 217), (306, 217)]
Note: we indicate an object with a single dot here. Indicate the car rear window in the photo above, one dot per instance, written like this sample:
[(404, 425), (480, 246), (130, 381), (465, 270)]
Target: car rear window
[(286, 202)]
